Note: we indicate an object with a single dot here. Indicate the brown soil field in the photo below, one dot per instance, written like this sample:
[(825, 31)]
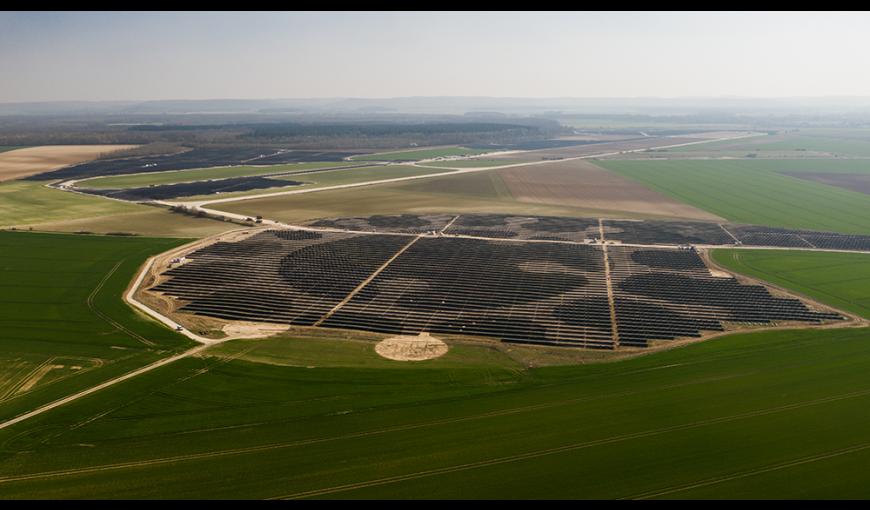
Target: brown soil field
[(581, 183), (852, 182), (595, 148), (20, 163)]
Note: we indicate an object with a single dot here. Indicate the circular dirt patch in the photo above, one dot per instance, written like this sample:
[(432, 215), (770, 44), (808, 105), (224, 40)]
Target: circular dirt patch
[(411, 348)]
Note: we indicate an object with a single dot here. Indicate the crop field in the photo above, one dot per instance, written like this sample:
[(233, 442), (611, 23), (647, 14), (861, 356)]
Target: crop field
[(819, 143), (775, 414), (841, 280), (29, 203), (63, 318), (756, 192), (199, 174), (16, 163), (484, 192), (414, 155), (584, 184), (144, 221)]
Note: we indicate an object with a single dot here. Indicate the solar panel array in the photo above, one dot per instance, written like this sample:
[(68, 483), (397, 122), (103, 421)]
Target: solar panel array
[(662, 294), (528, 292), (400, 223), (520, 292), (525, 227), (291, 277), (653, 232)]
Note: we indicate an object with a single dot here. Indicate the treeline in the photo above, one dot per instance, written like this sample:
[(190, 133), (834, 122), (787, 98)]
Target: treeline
[(309, 134)]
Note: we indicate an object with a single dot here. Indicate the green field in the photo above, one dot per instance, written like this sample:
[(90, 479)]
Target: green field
[(753, 191), (60, 307), (414, 155), (776, 414), (198, 174), (841, 280), (819, 142), (5, 148), (28, 203)]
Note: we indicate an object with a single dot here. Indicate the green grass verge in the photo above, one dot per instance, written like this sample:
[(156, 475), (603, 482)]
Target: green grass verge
[(751, 191), (414, 155), (841, 280), (199, 174), (774, 414), (60, 303)]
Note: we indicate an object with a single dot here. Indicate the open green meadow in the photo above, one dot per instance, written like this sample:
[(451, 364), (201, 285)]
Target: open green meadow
[(754, 191), (200, 174), (775, 414), (65, 327), (414, 155), (841, 280), (28, 203)]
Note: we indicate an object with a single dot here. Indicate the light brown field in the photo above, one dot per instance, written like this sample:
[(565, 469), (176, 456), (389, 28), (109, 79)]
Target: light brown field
[(580, 183), (20, 163)]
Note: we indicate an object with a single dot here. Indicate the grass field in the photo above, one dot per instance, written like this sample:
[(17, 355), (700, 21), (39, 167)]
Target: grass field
[(4, 148), (819, 141), (61, 308), (841, 280), (199, 174), (28, 203), (414, 155), (25, 205), (750, 191), (775, 414)]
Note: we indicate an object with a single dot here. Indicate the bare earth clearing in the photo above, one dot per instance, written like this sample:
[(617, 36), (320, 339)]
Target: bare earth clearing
[(34, 160), (583, 184), (411, 348)]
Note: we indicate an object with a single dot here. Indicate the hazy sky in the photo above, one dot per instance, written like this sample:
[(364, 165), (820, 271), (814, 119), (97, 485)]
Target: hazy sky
[(136, 56)]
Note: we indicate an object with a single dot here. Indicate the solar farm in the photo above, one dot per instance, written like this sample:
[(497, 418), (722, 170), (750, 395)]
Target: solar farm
[(579, 282)]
